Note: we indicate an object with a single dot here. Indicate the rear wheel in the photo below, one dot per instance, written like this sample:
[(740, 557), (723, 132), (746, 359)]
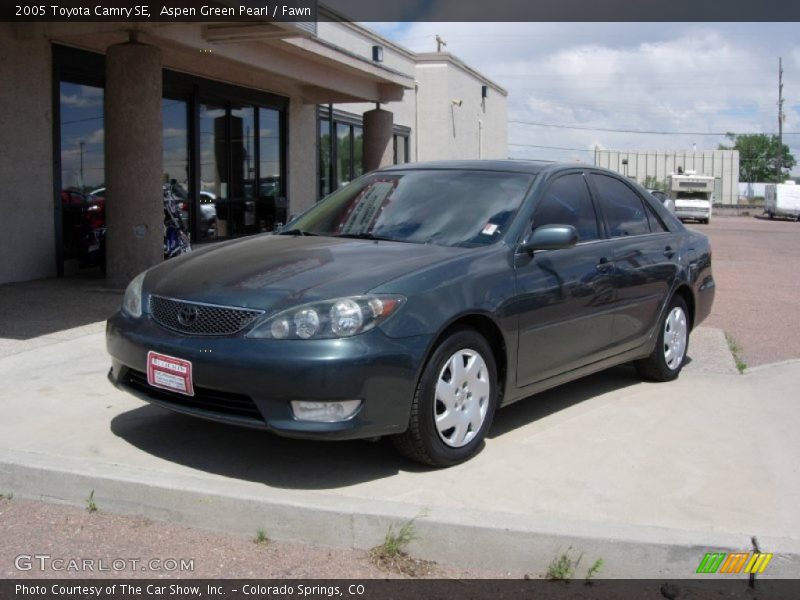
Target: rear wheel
[(454, 403), (668, 357)]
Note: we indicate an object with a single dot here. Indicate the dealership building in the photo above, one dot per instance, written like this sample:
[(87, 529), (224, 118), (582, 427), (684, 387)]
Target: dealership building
[(254, 121)]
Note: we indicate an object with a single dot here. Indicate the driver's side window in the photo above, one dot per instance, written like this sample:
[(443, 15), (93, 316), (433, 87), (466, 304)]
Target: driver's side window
[(567, 202)]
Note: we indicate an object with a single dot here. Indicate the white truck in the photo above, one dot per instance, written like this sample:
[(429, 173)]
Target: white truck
[(692, 194), (782, 200)]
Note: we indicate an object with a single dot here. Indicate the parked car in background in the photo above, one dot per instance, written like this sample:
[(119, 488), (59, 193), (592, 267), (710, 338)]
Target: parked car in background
[(414, 302)]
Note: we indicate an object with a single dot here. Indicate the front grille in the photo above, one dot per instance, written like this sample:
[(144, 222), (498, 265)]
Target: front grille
[(195, 318), (213, 401)]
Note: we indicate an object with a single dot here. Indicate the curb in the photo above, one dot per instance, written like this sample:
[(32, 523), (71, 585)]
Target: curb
[(472, 539)]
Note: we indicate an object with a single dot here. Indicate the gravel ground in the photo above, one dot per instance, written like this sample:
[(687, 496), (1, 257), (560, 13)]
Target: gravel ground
[(68, 532), (756, 265)]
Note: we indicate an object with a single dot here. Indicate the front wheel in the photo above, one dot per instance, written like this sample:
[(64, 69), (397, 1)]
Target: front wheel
[(668, 357), (454, 403)]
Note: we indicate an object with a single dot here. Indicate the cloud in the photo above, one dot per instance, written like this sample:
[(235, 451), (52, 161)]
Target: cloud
[(671, 77)]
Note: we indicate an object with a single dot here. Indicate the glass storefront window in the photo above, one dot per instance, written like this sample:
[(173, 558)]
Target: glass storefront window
[(243, 174), (214, 168), (82, 167), (400, 149), (175, 160), (343, 154), (358, 151), (271, 205), (324, 157)]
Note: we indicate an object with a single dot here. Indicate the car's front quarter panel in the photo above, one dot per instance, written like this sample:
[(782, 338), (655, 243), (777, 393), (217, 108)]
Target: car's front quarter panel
[(479, 283)]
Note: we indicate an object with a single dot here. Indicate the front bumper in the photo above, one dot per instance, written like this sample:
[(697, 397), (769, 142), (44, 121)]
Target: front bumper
[(251, 382), (692, 213)]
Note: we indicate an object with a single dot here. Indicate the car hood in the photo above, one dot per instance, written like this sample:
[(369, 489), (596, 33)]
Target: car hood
[(276, 271)]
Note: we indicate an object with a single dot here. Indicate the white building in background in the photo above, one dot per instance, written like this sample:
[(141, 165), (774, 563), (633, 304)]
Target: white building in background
[(655, 165)]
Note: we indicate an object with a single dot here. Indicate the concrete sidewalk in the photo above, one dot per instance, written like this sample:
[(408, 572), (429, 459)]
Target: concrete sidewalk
[(647, 476)]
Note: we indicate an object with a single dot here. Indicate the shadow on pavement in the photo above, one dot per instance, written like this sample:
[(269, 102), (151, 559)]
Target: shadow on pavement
[(262, 457), (38, 308), (559, 398), (257, 456)]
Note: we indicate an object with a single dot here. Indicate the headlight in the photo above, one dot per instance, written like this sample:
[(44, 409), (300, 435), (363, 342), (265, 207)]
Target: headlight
[(338, 318), (132, 302)]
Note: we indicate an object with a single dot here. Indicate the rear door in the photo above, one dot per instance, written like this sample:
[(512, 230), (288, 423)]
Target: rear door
[(564, 297), (645, 258)]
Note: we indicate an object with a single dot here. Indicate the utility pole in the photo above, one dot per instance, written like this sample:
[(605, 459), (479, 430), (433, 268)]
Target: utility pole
[(779, 164), (82, 144)]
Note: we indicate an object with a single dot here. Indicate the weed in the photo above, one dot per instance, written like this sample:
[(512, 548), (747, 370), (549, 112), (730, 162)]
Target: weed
[(391, 555), (736, 352), (261, 537), (561, 568), (90, 505), (593, 570)]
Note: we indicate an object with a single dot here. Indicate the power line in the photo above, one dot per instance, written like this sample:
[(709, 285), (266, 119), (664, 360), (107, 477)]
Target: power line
[(551, 147), (609, 130)]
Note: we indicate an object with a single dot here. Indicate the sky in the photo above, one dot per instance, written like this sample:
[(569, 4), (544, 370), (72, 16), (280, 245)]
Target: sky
[(691, 78)]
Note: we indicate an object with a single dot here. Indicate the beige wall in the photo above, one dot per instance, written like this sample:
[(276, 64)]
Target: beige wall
[(475, 129), (27, 237)]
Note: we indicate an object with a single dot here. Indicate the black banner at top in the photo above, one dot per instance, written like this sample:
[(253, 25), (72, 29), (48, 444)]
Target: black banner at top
[(398, 10)]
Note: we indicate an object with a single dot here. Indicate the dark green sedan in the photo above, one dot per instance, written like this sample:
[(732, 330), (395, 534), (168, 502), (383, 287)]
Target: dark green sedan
[(416, 301)]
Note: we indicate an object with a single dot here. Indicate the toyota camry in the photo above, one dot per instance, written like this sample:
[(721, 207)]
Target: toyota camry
[(416, 301)]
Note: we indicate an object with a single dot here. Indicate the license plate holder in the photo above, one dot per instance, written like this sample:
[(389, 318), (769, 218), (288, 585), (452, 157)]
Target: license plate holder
[(169, 373)]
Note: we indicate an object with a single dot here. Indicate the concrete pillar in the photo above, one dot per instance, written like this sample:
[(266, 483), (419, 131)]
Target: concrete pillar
[(133, 148), (378, 148)]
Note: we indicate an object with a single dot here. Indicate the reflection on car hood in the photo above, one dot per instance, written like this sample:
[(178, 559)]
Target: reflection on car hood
[(273, 271)]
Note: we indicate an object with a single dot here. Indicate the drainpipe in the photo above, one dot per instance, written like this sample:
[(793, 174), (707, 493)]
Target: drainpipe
[(480, 139)]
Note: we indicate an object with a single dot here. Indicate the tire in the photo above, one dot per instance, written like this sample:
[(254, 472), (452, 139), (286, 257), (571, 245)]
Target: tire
[(469, 407), (675, 322)]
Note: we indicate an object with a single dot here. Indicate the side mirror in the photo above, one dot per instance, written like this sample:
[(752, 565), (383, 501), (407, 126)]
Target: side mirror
[(550, 237)]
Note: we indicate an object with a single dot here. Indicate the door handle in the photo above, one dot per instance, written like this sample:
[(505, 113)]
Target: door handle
[(605, 264), (669, 252)]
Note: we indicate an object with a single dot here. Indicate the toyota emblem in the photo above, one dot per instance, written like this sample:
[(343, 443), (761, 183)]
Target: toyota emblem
[(187, 315)]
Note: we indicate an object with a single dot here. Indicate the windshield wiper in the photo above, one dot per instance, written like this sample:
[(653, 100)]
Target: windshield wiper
[(367, 236), (296, 232)]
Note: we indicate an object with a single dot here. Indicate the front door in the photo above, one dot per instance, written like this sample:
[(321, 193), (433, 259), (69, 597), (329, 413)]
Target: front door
[(564, 297)]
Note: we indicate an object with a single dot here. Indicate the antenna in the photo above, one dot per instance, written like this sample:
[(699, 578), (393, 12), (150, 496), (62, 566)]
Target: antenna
[(440, 43)]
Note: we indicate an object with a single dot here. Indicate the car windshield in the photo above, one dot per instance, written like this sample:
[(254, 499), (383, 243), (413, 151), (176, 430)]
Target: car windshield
[(444, 207)]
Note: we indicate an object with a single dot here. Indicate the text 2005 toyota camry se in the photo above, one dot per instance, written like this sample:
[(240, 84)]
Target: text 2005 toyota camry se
[(414, 302)]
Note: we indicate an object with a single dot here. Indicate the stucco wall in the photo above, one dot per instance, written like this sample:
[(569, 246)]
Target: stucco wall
[(302, 156), (27, 237), (473, 129)]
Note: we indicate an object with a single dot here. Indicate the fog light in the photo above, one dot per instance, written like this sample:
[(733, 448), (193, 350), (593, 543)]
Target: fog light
[(324, 412)]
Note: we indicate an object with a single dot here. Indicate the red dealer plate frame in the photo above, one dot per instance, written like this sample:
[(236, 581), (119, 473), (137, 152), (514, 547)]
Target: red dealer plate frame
[(169, 373)]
